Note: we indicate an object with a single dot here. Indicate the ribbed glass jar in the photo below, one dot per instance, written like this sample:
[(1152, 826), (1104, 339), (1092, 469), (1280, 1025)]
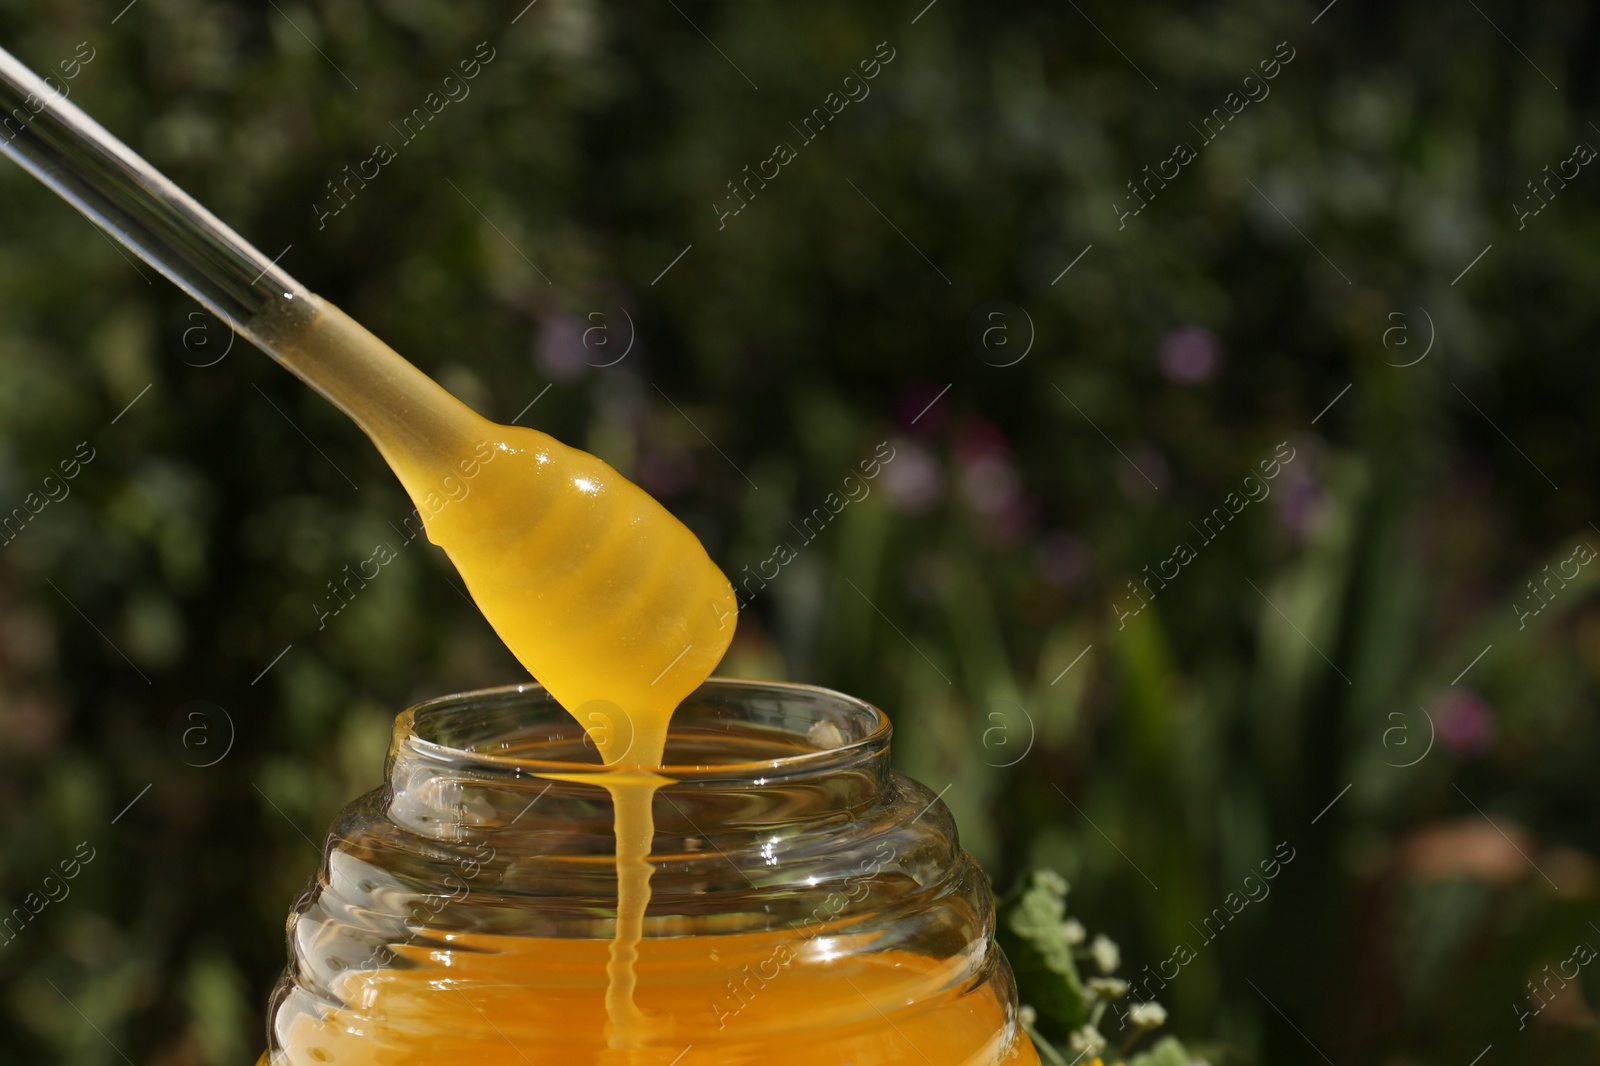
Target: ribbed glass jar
[(808, 904)]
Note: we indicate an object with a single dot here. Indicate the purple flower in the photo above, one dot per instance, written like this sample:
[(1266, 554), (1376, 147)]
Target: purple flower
[(989, 485), (990, 482), (558, 349), (1189, 355), (1300, 503), (980, 440), (913, 481), (1465, 723)]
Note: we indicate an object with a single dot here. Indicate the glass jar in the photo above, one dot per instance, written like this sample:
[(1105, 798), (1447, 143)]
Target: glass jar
[(808, 905)]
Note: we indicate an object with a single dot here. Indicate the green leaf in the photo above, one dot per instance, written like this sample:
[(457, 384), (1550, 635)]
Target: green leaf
[(1031, 935)]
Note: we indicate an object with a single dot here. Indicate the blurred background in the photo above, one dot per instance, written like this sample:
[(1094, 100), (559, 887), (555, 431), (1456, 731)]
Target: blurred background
[(1381, 659)]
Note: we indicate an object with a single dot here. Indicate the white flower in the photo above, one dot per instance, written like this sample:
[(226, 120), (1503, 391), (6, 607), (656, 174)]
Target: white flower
[(1108, 987), (1074, 932), (1147, 1015), (1027, 1015), (1106, 954), (1086, 1041)]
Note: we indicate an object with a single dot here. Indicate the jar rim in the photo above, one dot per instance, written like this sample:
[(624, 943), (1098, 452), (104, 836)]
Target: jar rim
[(417, 728)]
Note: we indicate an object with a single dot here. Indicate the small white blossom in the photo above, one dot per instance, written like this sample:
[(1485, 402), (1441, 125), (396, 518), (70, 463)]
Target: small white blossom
[(1147, 1015), (1108, 987), (1027, 1015), (1053, 881), (1074, 932), (1086, 1041), (1106, 954)]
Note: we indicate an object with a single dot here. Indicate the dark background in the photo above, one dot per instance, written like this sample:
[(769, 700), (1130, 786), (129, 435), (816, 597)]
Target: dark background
[(1353, 639)]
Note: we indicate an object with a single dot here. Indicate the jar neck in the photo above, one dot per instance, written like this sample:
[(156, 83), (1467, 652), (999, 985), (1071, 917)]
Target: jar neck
[(510, 765)]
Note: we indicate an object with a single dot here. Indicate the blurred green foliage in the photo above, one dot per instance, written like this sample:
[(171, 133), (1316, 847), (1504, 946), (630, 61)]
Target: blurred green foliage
[(1274, 692)]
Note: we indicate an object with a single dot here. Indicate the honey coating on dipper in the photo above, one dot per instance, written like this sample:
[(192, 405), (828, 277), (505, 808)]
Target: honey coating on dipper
[(609, 601)]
